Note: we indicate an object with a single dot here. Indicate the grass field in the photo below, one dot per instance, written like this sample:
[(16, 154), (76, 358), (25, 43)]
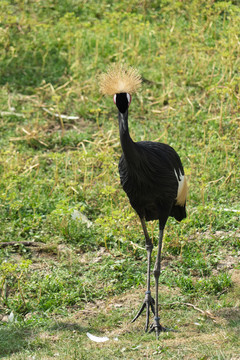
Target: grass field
[(75, 260)]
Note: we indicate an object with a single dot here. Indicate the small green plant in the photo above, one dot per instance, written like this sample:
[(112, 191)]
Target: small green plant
[(12, 280)]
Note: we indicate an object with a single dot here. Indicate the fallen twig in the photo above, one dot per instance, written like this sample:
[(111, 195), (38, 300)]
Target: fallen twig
[(28, 136), (61, 115), (19, 243), (7, 113), (134, 245), (31, 167), (204, 312)]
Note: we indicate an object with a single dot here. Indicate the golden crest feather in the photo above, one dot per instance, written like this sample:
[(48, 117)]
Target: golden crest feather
[(119, 79)]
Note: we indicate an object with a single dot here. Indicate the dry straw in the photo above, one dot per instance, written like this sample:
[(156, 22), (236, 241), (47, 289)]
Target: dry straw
[(120, 79)]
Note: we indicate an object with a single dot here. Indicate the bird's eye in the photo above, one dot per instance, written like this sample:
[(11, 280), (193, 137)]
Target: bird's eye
[(129, 98), (114, 98)]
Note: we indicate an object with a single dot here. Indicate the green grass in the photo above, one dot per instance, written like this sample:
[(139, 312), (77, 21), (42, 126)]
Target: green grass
[(59, 183)]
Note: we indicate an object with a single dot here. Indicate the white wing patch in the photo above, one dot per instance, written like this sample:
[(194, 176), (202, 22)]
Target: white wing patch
[(182, 189), (181, 182)]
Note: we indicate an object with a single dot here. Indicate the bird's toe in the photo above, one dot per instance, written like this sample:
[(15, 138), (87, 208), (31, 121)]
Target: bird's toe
[(149, 304)]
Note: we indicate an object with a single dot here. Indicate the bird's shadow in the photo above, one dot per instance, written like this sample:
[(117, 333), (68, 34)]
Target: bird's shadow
[(15, 337), (70, 326)]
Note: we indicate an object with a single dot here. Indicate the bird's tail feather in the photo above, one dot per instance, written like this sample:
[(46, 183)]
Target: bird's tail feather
[(178, 212)]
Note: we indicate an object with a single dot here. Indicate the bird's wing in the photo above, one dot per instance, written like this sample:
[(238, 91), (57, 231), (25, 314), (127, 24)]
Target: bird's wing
[(168, 163)]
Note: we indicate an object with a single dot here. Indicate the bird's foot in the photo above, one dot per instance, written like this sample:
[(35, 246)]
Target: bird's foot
[(149, 304), (157, 327)]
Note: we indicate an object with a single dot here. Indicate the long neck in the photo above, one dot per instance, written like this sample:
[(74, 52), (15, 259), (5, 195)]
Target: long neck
[(128, 145)]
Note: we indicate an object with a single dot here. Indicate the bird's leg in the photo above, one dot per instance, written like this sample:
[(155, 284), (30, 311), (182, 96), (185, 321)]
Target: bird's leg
[(157, 270), (148, 301)]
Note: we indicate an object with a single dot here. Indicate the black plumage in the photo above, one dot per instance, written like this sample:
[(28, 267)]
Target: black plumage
[(151, 174), (150, 181)]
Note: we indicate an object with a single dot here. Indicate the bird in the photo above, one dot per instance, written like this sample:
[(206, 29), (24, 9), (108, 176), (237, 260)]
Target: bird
[(152, 176)]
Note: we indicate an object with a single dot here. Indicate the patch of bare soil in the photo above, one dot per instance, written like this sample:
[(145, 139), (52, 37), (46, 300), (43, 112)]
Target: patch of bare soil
[(190, 336), (236, 277), (230, 314)]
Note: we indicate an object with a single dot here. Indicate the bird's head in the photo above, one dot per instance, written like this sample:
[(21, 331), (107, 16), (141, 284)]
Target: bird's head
[(122, 101), (120, 82)]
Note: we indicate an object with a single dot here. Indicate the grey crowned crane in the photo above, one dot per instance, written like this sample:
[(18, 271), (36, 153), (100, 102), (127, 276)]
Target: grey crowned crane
[(152, 176)]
